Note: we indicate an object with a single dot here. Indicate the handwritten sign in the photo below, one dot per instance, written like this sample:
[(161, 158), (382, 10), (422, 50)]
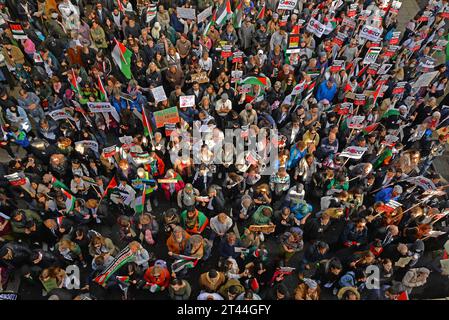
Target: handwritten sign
[(186, 101), (186, 13), (169, 115), (159, 94)]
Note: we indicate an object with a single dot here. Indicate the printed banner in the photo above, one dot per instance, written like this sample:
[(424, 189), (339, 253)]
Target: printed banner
[(356, 122), (109, 152), (353, 152), (371, 33), (316, 27), (60, 115), (103, 107), (371, 55), (287, 4)]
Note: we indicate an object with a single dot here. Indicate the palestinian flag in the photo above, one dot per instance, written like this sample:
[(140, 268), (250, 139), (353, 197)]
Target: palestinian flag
[(403, 296), (112, 185), (309, 92), (370, 128), (389, 113), (122, 58), (139, 206), (210, 23), (17, 31), (182, 262), (102, 90), (74, 81), (55, 183), (69, 201), (223, 13), (147, 131), (125, 256), (261, 13), (237, 16), (151, 13), (120, 6), (259, 81)]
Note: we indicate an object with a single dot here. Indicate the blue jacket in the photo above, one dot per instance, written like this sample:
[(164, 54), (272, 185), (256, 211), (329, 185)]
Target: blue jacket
[(384, 195), (119, 105), (325, 93), (138, 103)]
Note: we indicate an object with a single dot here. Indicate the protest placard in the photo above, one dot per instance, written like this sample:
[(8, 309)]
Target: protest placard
[(400, 87), (60, 115), (359, 99), (316, 27), (226, 51), (337, 65), (425, 79), (287, 4), (236, 75), (371, 55), (109, 152), (169, 115), (353, 152), (440, 45), (186, 13), (371, 33), (203, 15), (88, 144), (186, 101), (356, 122), (159, 94), (169, 128), (345, 108), (384, 68)]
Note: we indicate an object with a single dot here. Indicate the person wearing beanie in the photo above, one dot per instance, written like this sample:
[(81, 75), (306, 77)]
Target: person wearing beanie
[(307, 290)]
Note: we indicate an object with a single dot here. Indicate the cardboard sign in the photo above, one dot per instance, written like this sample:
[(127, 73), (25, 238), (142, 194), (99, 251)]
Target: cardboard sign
[(316, 27), (159, 94), (60, 115), (353, 152), (169, 115), (356, 122), (109, 152), (426, 64), (265, 228), (287, 4), (203, 15), (186, 101), (371, 33), (359, 99), (371, 55), (422, 182), (88, 144), (200, 77), (186, 13), (425, 79)]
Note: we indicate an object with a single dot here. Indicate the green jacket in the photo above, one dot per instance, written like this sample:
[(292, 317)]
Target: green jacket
[(231, 282), (19, 227)]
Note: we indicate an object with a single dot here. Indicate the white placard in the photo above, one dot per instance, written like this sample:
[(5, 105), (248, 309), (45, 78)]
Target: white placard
[(371, 33), (159, 94), (203, 15), (316, 27), (425, 79), (287, 4), (353, 152), (91, 144), (186, 101), (186, 13)]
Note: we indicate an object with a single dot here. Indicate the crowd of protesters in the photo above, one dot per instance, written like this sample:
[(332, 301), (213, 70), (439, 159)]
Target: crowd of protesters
[(113, 194)]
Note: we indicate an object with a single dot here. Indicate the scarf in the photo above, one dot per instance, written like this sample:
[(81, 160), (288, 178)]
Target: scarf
[(125, 256)]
